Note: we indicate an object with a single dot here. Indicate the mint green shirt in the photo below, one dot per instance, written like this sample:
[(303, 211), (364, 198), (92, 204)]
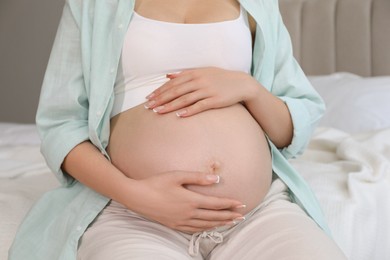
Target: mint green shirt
[(77, 98)]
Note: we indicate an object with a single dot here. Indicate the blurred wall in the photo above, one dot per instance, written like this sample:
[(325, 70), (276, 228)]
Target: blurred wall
[(27, 31)]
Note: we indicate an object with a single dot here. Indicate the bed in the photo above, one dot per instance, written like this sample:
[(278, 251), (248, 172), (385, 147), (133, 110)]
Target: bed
[(347, 162)]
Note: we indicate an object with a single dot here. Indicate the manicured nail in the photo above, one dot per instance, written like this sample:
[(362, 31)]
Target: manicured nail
[(158, 109), (230, 223), (149, 104), (181, 113), (171, 75), (242, 206), (214, 178), (238, 220)]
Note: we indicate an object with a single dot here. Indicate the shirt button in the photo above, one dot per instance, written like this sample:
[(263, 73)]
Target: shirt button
[(99, 113), (112, 70), (120, 26), (78, 228)]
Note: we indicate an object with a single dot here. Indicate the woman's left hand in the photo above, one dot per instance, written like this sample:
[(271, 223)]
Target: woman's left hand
[(193, 91)]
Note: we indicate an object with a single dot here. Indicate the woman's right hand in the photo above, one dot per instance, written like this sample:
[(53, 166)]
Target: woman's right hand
[(165, 199)]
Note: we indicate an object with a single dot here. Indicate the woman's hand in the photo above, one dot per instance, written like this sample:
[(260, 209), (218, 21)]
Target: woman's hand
[(193, 91), (164, 198)]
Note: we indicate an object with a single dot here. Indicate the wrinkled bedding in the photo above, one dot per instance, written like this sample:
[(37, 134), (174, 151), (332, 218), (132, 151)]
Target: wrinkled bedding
[(350, 174)]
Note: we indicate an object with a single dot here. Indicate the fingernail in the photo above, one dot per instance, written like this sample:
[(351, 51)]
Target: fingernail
[(181, 113), (238, 220), (230, 223), (171, 75), (158, 109), (150, 96), (149, 104), (242, 206), (214, 178)]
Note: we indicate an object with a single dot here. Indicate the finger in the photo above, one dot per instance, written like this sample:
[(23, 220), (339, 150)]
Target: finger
[(172, 75), (180, 78), (215, 203), (181, 102), (191, 72), (217, 215), (160, 102), (193, 226), (195, 178), (198, 107)]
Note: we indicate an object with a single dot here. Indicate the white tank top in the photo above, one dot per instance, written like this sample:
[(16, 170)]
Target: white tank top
[(154, 48)]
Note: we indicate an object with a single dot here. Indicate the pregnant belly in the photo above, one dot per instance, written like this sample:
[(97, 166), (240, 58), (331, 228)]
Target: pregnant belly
[(227, 142)]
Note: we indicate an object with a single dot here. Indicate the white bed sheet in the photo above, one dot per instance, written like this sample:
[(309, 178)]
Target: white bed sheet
[(24, 177), (350, 174)]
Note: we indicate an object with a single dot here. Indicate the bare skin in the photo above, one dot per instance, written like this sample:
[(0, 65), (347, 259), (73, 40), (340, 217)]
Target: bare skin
[(226, 142), (200, 93)]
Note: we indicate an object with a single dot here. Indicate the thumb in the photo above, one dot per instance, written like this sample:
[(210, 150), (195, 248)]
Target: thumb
[(196, 178)]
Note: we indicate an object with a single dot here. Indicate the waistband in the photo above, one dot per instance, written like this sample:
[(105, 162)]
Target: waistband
[(278, 190)]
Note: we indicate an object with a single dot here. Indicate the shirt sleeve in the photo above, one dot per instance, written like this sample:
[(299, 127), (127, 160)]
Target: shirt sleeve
[(62, 115), (292, 86)]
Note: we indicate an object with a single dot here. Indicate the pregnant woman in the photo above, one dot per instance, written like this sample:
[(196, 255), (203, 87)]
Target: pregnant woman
[(169, 124)]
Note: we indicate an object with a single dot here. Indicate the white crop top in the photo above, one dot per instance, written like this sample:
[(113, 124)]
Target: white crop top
[(154, 48)]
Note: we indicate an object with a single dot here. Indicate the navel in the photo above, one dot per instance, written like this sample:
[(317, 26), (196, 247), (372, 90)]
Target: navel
[(214, 166)]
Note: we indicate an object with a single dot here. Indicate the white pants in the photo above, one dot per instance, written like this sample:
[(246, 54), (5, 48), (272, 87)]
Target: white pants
[(276, 229)]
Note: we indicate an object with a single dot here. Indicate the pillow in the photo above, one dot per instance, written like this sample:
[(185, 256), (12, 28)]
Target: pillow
[(354, 104)]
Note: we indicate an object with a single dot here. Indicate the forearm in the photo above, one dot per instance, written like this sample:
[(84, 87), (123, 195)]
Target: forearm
[(270, 112), (87, 165)]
